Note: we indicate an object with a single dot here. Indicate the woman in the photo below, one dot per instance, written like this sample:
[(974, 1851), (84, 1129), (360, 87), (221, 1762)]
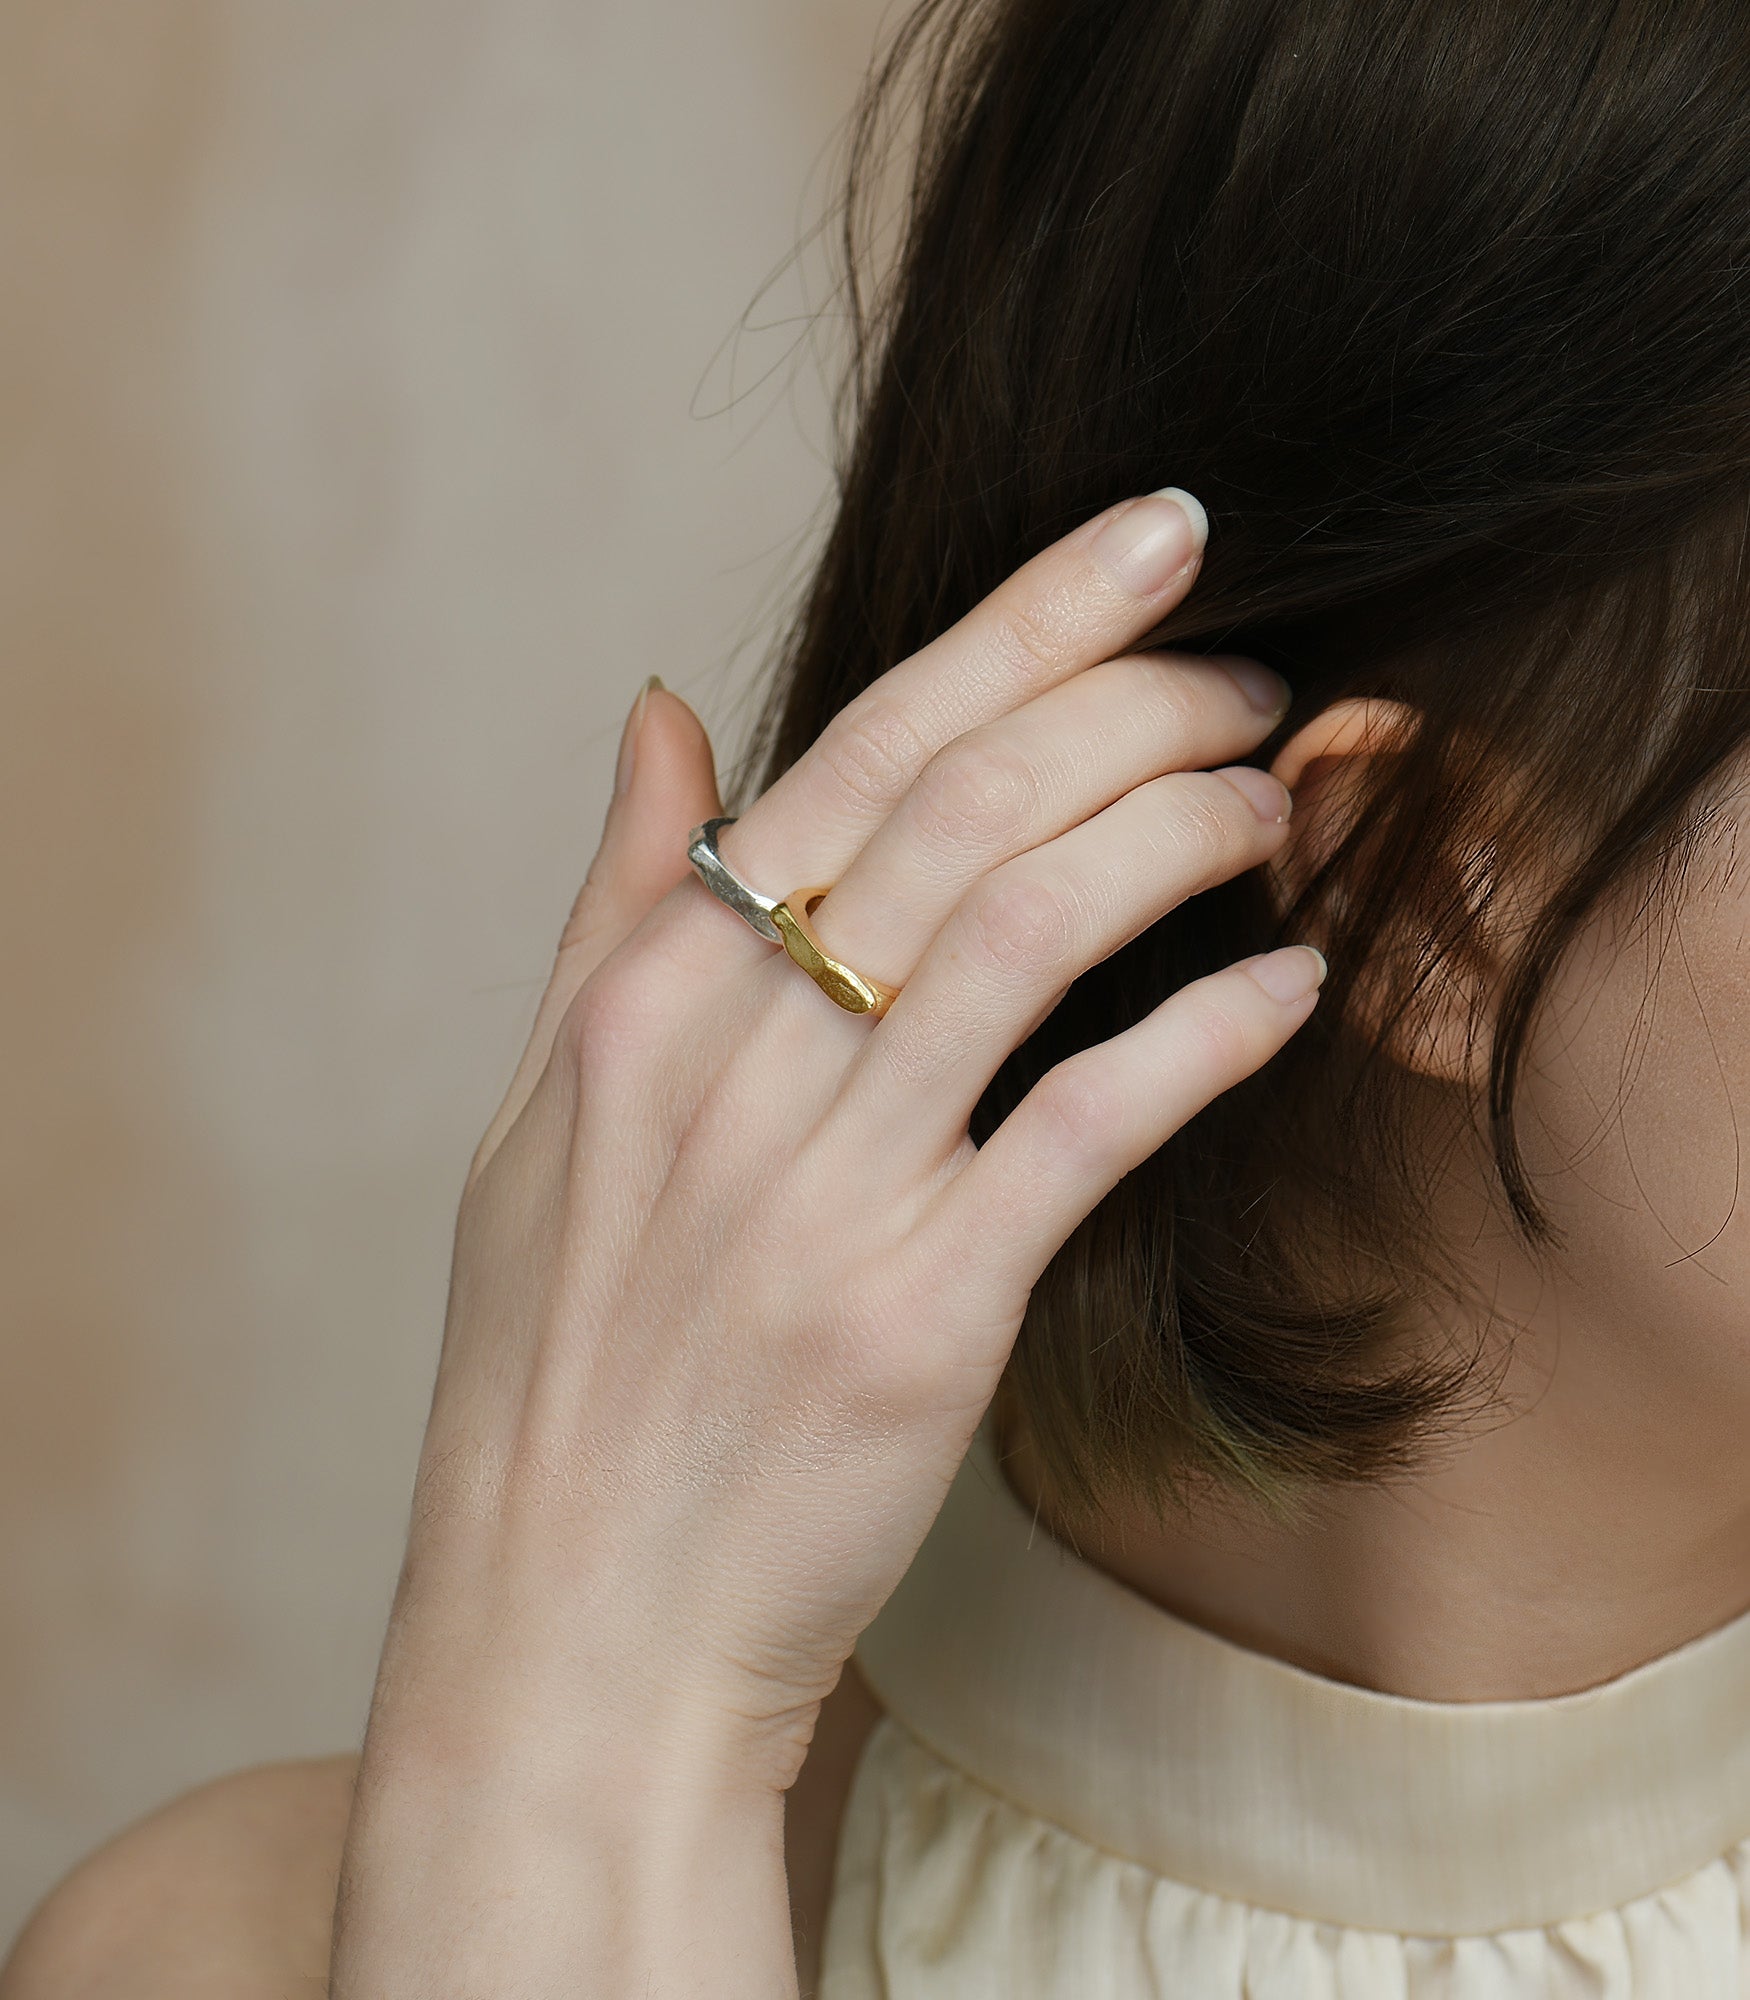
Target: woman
[(1274, 1470)]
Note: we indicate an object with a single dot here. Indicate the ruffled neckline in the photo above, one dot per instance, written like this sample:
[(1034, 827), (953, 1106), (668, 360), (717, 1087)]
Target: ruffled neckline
[(1068, 1693)]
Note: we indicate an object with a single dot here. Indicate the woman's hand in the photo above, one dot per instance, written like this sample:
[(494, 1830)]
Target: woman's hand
[(732, 1286)]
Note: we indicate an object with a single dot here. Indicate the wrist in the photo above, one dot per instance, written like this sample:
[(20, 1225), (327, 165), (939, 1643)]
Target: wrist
[(501, 1669), (539, 1721), (608, 1868), (544, 1759)]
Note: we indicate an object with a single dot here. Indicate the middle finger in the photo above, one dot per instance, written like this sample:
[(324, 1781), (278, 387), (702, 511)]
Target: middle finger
[(1082, 600), (1018, 939), (1015, 783)]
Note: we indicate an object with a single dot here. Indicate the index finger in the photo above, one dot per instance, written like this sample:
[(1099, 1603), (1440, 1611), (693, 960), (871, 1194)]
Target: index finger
[(1073, 605)]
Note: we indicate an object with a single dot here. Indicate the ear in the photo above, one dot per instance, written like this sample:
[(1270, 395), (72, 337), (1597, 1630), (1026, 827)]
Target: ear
[(1324, 766)]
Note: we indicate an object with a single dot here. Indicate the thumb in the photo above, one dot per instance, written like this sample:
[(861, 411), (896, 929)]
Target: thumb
[(665, 783)]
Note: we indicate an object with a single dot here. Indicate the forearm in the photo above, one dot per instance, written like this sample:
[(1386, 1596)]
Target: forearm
[(602, 1876)]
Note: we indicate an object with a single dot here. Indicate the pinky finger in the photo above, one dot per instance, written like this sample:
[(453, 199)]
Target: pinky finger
[(1103, 1111)]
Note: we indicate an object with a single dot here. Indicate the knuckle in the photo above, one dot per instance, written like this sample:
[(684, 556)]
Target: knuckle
[(1221, 1041), (1084, 1110), (1021, 921), (1176, 703), (974, 793), (873, 750), (613, 1014), (1210, 823), (1028, 633)]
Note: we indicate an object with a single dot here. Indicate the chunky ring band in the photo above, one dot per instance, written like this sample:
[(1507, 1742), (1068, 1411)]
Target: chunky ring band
[(853, 991), (727, 886), (784, 923)]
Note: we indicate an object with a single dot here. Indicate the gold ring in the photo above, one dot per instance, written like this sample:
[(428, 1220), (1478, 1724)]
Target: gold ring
[(852, 991)]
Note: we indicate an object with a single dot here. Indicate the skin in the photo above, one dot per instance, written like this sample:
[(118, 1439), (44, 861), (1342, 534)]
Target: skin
[(689, 1427), (1594, 1522), (1599, 1515)]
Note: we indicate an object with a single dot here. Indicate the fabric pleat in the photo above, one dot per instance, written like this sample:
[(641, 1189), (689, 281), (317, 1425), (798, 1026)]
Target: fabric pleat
[(947, 1892)]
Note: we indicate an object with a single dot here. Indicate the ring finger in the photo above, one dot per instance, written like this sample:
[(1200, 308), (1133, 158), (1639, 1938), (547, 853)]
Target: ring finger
[(1017, 939)]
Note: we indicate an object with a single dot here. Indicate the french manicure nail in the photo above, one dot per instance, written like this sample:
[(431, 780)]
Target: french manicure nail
[(1290, 974), (1147, 544), (1194, 512), (1268, 797)]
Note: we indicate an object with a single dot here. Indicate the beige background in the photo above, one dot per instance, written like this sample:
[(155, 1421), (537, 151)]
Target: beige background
[(353, 473)]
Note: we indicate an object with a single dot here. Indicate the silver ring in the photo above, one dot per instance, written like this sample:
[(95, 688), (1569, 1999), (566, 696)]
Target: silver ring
[(754, 909)]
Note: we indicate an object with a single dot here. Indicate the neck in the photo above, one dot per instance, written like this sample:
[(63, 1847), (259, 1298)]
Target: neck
[(1598, 1519)]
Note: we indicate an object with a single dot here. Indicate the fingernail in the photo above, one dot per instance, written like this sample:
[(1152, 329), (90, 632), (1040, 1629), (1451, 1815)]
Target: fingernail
[(1268, 692), (1193, 511), (629, 738), (1268, 797), (1290, 974), (1147, 544)]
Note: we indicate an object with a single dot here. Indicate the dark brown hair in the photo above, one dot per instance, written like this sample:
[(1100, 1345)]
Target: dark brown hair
[(1442, 308)]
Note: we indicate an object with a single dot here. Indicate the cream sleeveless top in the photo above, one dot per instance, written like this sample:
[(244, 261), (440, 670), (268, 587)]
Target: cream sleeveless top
[(1075, 1795)]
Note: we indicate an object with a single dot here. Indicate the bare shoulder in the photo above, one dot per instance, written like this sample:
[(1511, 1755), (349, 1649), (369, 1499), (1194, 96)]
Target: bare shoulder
[(228, 1892)]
